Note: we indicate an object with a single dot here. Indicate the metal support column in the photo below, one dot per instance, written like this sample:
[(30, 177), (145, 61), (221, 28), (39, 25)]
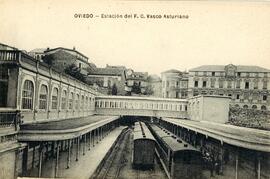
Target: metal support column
[(89, 146), (93, 140), (68, 157), (24, 160), (57, 159), (236, 164), (84, 143), (52, 149), (78, 148), (98, 134), (40, 159), (221, 159), (259, 167), (33, 156)]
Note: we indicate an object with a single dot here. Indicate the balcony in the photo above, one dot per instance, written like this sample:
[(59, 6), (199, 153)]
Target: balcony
[(9, 56), (9, 118)]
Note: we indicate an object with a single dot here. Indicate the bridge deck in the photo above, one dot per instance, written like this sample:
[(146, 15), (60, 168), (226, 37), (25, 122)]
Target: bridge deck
[(239, 136)]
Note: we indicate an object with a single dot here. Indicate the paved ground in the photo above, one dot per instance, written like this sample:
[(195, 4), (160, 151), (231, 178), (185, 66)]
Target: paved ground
[(86, 165), (65, 124)]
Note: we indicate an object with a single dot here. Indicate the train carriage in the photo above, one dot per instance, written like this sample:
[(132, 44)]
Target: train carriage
[(144, 147), (180, 159)]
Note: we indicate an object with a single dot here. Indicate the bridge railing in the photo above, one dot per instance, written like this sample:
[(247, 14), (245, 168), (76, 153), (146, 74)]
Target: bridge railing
[(159, 104), (141, 106)]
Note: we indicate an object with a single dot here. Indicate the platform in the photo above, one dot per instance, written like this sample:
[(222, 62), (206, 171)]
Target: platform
[(254, 139), (63, 129), (86, 165)]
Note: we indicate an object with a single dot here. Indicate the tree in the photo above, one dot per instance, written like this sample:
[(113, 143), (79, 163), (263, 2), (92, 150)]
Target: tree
[(114, 89), (136, 88), (74, 71), (148, 90)]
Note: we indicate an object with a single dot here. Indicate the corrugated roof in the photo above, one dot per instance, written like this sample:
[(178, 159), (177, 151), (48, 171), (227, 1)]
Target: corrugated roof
[(239, 68)]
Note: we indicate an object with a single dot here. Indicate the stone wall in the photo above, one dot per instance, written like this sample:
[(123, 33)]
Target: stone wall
[(252, 118)]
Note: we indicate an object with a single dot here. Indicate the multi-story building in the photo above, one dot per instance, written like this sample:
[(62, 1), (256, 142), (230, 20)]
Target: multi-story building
[(38, 53), (248, 86), (136, 82), (61, 58), (105, 78), (174, 84), (154, 86)]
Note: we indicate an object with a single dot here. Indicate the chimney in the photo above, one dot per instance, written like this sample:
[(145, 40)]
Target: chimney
[(74, 48), (48, 48)]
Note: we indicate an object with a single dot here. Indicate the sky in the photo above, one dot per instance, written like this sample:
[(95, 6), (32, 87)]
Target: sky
[(215, 33)]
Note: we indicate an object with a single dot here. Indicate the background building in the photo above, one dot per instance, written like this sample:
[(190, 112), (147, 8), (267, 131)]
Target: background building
[(38, 53), (136, 82), (62, 58), (248, 86), (154, 86), (174, 84), (105, 78)]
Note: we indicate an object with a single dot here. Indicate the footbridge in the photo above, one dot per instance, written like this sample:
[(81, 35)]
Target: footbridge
[(141, 106)]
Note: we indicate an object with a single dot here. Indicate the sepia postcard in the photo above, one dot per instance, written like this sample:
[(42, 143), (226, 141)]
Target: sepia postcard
[(134, 89)]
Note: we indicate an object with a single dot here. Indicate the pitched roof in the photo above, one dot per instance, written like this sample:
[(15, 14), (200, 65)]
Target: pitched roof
[(62, 48), (138, 76), (239, 68)]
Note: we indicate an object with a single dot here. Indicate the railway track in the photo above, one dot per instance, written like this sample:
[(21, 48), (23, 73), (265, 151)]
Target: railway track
[(117, 159), (148, 174)]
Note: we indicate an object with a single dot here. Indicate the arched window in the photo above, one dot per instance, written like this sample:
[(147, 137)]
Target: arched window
[(64, 99), (82, 102), (70, 106), (90, 102), (86, 103), (27, 95), (254, 107), (43, 95), (263, 107), (77, 102), (54, 98), (245, 106)]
